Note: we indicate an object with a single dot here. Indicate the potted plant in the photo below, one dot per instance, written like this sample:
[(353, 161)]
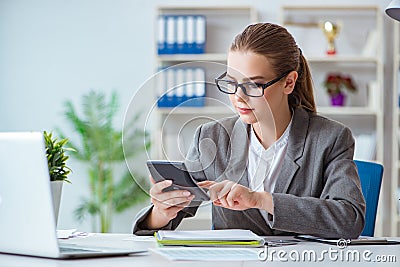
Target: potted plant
[(58, 170), (335, 83), (112, 187)]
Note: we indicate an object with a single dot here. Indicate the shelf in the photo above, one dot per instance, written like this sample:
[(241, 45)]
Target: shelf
[(173, 8), (395, 212), (210, 110), (343, 59), (330, 7), (346, 111), (221, 57)]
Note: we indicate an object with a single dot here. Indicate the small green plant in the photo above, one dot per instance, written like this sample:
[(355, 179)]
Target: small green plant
[(56, 158)]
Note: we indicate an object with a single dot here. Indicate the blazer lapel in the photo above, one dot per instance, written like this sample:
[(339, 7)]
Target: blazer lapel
[(237, 169), (297, 138), (237, 163)]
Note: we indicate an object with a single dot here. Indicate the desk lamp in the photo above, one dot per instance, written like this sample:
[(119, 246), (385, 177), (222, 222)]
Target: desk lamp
[(393, 10)]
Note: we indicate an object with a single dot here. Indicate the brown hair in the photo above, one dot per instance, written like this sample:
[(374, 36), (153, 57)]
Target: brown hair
[(278, 45)]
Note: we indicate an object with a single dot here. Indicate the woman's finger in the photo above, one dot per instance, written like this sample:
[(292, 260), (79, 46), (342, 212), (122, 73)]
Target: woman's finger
[(157, 188), (171, 212), (178, 201), (223, 192), (152, 179), (232, 195), (215, 189), (217, 202), (206, 184)]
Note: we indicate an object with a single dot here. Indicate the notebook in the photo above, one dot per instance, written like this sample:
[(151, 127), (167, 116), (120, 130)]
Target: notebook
[(27, 225), (226, 238)]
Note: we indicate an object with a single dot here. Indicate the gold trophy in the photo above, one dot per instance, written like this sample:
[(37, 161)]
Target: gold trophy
[(331, 30)]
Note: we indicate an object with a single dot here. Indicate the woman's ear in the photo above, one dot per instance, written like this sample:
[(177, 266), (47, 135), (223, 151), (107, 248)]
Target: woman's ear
[(290, 82)]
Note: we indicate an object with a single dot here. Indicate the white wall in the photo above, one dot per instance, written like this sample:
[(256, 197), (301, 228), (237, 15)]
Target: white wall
[(54, 50)]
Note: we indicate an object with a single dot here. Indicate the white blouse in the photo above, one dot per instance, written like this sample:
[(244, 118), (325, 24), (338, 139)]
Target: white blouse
[(264, 165)]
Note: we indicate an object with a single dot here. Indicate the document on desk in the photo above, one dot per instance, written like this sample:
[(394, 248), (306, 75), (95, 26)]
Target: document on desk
[(228, 237), (206, 254), (140, 238), (71, 233)]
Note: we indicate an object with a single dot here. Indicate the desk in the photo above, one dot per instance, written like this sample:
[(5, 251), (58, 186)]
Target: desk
[(152, 259)]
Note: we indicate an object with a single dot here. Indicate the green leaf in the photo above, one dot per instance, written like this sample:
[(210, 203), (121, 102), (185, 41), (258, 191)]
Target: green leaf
[(99, 145), (56, 158)]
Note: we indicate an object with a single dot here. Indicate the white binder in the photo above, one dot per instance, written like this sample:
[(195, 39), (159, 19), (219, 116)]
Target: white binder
[(180, 82), (190, 84), (200, 34), (180, 33), (190, 32), (171, 34), (161, 34), (170, 82), (200, 82)]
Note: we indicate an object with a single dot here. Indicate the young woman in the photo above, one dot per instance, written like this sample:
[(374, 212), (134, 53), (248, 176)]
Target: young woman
[(276, 169)]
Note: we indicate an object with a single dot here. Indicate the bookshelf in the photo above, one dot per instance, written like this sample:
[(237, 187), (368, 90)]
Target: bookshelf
[(174, 126), (359, 54), (395, 184)]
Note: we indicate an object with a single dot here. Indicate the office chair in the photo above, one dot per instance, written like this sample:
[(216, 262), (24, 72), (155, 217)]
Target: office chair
[(371, 178)]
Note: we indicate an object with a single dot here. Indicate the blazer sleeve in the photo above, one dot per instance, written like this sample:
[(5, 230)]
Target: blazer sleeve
[(139, 229), (193, 163), (339, 212), (195, 159)]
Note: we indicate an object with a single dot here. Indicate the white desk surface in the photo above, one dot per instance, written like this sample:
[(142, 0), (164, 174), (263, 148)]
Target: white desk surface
[(152, 259)]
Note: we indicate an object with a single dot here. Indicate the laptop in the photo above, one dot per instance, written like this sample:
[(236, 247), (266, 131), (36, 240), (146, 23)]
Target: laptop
[(27, 221)]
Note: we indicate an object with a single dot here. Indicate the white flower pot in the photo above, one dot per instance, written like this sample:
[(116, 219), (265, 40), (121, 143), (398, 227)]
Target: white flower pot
[(56, 189)]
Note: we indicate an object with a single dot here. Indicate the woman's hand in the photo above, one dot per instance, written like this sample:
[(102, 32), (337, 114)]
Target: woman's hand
[(234, 196), (166, 204)]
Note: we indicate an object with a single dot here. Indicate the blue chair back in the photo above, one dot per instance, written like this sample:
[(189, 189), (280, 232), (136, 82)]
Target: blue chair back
[(371, 179)]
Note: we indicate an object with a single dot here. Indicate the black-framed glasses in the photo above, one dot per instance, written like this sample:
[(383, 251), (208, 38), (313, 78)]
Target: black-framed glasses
[(249, 88)]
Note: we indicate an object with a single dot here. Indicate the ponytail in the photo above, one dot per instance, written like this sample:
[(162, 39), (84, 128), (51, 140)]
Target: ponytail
[(302, 95)]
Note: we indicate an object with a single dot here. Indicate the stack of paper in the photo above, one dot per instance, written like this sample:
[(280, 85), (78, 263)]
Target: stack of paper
[(235, 238)]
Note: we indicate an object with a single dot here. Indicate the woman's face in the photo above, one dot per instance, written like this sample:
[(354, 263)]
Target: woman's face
[(250, 67)]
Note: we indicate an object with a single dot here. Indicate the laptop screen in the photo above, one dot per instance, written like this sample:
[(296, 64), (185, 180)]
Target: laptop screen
[(27, 224)]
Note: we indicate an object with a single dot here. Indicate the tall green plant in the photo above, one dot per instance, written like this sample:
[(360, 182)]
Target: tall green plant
[(101, 149)]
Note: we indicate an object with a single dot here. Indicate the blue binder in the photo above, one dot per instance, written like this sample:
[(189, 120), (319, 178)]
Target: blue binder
[(181, 34), (181, 87)]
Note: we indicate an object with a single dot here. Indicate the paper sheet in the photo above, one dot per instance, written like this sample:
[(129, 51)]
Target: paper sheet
[(207, 254), (227, 234), (70, 233), (139, 238)]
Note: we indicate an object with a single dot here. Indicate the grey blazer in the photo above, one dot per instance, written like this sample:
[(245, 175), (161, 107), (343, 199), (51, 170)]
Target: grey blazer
[(318, 191)]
